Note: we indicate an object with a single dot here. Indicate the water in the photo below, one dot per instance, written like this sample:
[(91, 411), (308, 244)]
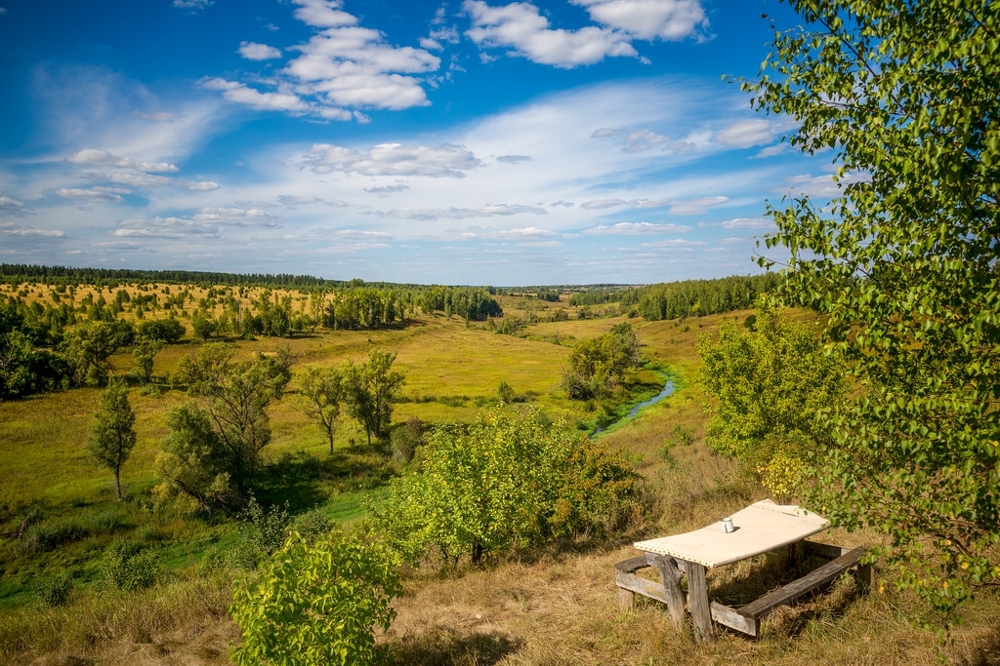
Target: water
[(668, 388)]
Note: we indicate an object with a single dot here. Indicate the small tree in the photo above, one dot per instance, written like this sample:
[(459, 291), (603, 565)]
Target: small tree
[(370, 389), (769, 382), (502, 485), (113, 436), (324, 391), (316, 603), (213, 450), (88, 348), (143, 352)]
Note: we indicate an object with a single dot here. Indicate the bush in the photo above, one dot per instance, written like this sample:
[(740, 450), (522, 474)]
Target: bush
[(513, 481), (315, 603), (128, 566), (53, 590)]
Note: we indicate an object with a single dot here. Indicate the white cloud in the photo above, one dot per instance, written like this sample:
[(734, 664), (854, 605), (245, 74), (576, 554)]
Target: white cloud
[(17, 231), (93, 194), (520, 26), (453, 213), (292, 200), (199, 185), (776, 149), (513, 159), (104, 158), (675, 243), (600, 204), (323, 13), (636, 229), (649, 19), (392, 159), (255, 51), (205, 224), (267, 101), (696, 206), (320, 235), (746, 133), (193, 5), (748, 223), (9, 206), (131, 178)]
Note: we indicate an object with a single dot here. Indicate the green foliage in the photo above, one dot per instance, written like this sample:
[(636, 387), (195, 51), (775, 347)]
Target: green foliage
[(364, 308), (369, 390), (406, 439), (213, 450), (599, 365), (113, 436), (504, 484), (53, 589), (905, 266), (323, 390), (128, 566), (143, 352), (88, 349), (316, 603), (769, 382), (164, 330)]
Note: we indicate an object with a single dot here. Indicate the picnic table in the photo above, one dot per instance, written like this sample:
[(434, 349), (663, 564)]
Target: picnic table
[(759, 528)]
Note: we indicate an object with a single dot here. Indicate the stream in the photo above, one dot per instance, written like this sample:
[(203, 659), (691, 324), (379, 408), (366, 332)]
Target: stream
[(668, 388)]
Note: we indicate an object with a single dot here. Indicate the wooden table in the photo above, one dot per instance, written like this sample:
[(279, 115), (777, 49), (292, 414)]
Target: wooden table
[(760, 528)]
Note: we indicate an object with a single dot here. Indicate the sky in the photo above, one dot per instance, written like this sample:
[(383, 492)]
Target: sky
[(469, 142)]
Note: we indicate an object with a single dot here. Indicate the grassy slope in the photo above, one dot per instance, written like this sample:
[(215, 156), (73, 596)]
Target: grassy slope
[(556, 609)]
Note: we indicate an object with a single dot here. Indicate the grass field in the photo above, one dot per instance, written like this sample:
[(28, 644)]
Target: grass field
[(552, 607)]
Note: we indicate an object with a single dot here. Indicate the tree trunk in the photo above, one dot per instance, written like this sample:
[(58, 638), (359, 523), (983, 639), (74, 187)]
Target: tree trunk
[(118, 482)]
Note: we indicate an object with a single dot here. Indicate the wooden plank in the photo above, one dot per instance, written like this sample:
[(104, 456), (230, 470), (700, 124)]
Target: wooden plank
[(626, 600), (632, 564), (701, 612), (643, 586), (670, 577), (825, 549), (797, 588), (731, 618)]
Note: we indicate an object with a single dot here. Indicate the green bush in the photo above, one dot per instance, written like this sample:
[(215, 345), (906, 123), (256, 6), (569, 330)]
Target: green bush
[(129, 566), (315, 603), (513, 481), (53, 590)]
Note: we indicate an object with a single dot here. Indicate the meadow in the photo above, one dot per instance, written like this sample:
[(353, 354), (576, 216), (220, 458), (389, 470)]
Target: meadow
[(553, 606)]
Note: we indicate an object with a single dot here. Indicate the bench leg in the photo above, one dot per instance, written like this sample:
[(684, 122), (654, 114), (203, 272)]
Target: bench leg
[(626, 600), (701, 611), (671, 577)]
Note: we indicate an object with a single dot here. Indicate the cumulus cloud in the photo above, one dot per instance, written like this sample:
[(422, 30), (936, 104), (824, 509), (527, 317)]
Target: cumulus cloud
[(262, 101), (343, 68), (17, 231), (453, 213), (388, 189), (747, 223), (696, 206), (636, 229), (674, 243), (746, 133), (819, 186), (205, 224), (198, 185), (520, 27), (131, 178), (599, 204), (9, 206), (393, 159), (103, 158), (255, 51), (320, 235), (514, 159), (649, 19), (93, 194), (193, 5), (292, 200)]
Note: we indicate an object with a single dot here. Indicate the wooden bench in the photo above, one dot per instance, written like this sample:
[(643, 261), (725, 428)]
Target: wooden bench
[(745, 619)]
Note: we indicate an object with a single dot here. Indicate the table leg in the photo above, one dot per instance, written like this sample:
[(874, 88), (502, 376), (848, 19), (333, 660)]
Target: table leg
[(701, 611), (671, 577)]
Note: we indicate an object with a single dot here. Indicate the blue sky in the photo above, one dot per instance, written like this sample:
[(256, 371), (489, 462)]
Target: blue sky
[(469, 142)]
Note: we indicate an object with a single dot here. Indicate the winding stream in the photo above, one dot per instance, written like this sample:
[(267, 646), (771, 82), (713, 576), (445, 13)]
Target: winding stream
[(668, 389)]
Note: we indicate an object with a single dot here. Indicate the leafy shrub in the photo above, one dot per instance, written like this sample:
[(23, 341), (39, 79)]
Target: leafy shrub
[(129, 566), (405, 440), (53, 590), (512, 481), (315, 603)]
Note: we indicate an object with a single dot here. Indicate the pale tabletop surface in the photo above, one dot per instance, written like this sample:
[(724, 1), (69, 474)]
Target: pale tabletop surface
[(760, 528)]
